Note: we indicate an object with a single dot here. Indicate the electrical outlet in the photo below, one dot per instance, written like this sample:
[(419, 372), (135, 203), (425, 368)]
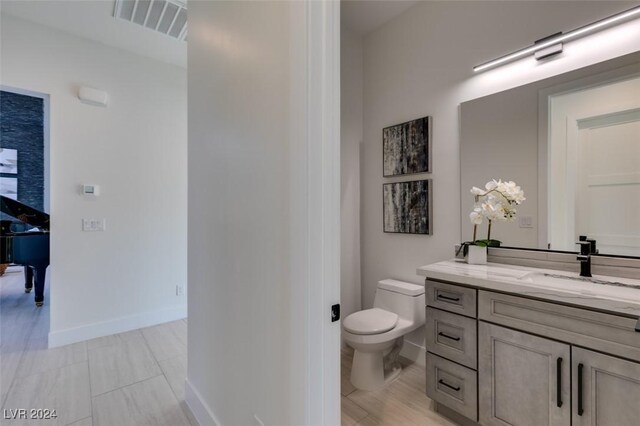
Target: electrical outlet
[(179, 290), (94, 225)]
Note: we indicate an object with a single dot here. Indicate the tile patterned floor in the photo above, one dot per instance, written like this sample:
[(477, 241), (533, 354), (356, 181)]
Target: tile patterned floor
[(134, 378), (137, 378)]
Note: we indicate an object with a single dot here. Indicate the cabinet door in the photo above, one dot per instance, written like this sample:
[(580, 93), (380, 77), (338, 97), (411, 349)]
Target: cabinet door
[(606, 390), (523, 380)]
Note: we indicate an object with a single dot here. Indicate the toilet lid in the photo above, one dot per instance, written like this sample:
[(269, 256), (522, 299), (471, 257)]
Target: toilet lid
[(370, 321)]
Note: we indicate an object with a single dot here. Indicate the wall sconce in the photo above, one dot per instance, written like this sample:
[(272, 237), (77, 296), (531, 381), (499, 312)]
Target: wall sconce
[(552, 45)]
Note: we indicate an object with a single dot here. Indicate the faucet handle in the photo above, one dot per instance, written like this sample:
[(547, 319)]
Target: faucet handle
[(585, 247)]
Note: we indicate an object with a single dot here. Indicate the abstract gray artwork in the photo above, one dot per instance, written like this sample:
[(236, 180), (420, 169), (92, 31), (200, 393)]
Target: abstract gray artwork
[(9, 187), (406, 148), (407, 207), (8, 161)]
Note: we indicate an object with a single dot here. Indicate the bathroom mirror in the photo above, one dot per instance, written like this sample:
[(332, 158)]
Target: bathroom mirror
[(572, 142)]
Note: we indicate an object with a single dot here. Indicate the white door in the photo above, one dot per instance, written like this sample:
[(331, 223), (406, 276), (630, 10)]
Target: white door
[(608, 183)]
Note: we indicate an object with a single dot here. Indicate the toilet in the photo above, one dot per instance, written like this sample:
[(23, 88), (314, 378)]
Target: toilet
[(377, 334)]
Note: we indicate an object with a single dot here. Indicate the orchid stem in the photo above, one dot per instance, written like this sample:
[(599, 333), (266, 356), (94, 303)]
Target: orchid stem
[(489, 232), (475, 232)]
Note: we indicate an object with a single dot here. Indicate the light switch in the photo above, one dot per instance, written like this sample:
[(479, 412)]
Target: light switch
[(525, 222), (93, 225)]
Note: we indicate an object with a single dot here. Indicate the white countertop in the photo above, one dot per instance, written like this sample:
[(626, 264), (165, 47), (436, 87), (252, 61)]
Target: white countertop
[(518, 280)]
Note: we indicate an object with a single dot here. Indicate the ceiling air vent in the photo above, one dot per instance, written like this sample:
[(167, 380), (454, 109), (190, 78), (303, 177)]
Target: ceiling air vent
[(168, 17)]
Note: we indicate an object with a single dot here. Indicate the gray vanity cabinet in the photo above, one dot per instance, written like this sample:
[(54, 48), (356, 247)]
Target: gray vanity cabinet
[(606, 390), (503, 359), (523, 380)]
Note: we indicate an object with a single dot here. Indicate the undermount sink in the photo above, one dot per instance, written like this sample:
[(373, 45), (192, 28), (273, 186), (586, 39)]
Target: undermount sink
[(546, 278)]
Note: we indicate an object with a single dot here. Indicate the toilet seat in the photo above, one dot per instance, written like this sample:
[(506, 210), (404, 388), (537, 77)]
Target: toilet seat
[(370, 321)]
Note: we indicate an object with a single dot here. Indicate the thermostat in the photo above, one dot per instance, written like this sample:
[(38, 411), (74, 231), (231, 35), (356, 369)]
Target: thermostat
[(90, 189)]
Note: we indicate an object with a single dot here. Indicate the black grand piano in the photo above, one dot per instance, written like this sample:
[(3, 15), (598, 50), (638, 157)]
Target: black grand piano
[(26, 247)]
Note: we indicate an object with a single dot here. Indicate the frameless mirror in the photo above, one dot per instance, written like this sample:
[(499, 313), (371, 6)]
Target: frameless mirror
[(572, 142)]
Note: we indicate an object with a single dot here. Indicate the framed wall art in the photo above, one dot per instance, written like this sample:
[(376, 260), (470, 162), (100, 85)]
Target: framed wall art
[(407, 207), (406, 148)]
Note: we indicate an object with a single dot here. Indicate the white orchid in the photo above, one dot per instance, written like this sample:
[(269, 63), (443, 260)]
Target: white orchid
[(476, 216), (496, 202)]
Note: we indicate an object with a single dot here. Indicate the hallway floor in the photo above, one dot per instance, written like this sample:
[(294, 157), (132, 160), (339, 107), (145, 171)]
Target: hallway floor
[(137, 378), (132, 378), (402, 403)]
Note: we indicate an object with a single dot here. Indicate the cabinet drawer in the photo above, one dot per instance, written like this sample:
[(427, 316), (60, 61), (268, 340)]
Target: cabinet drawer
[(452, 336), (452, 298), (600, 331), (453, 386)]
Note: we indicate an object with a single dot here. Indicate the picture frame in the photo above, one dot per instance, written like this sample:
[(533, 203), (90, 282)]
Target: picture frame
[(406, 147), (408, 207)]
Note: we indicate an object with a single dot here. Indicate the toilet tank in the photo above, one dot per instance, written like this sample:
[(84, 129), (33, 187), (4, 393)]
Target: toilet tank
[(405, 299)]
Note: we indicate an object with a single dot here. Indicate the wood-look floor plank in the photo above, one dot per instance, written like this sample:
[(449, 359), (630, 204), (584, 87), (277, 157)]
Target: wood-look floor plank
[(351, 413)]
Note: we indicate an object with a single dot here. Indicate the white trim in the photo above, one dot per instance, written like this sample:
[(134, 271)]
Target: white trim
[(200, 410), (114, 326), (414, 353), (315, 211), (623, 73)]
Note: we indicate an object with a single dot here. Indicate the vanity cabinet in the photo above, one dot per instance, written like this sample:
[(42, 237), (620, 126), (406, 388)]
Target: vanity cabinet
[(606, 390), (523, 379), (503, 359)]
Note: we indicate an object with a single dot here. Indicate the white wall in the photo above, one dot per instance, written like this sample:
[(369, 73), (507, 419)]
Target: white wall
[(351, 140), (136, 150), (238, 219), (421, 64), (264, 237)]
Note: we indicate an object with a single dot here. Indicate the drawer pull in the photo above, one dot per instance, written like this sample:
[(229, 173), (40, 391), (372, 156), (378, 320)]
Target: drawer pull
[(559, 382), (442, 382), (580, 403), (457, 339), (451, 299)]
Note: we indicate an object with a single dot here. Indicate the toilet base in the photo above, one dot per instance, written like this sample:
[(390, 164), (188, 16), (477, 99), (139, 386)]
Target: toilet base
[(368, 370)]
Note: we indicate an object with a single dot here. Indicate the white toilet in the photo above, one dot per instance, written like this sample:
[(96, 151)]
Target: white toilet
[(377, 334)]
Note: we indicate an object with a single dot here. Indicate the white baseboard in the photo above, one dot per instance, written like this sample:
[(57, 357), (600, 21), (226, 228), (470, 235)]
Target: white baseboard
[(414, 353), (200, 409), (114, 326)]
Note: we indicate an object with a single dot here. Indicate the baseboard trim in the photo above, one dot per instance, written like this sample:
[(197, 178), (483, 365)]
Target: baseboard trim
[(200, 409), (114, 326), (414, 353)]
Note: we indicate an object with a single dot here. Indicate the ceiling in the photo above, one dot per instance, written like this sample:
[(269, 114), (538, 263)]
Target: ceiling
[(94, 20), (364, 16)]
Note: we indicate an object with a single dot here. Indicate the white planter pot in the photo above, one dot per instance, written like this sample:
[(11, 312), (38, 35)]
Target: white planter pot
[(476, 255)]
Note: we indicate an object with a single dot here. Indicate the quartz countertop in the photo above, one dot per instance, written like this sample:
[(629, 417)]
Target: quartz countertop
[(623, 298)]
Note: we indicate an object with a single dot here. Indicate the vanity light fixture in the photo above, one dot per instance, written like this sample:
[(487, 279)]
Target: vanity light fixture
[(552, 45)]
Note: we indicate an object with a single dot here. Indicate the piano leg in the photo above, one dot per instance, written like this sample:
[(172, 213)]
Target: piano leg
[(28, 279), (39, 276)]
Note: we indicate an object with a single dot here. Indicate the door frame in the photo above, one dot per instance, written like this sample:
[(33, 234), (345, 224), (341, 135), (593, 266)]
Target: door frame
[(315, 212)]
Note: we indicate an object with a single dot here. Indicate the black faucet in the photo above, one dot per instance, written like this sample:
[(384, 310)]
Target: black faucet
[(587, 247)]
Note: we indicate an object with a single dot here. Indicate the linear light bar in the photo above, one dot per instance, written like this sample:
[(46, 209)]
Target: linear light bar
[(562, 37)]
